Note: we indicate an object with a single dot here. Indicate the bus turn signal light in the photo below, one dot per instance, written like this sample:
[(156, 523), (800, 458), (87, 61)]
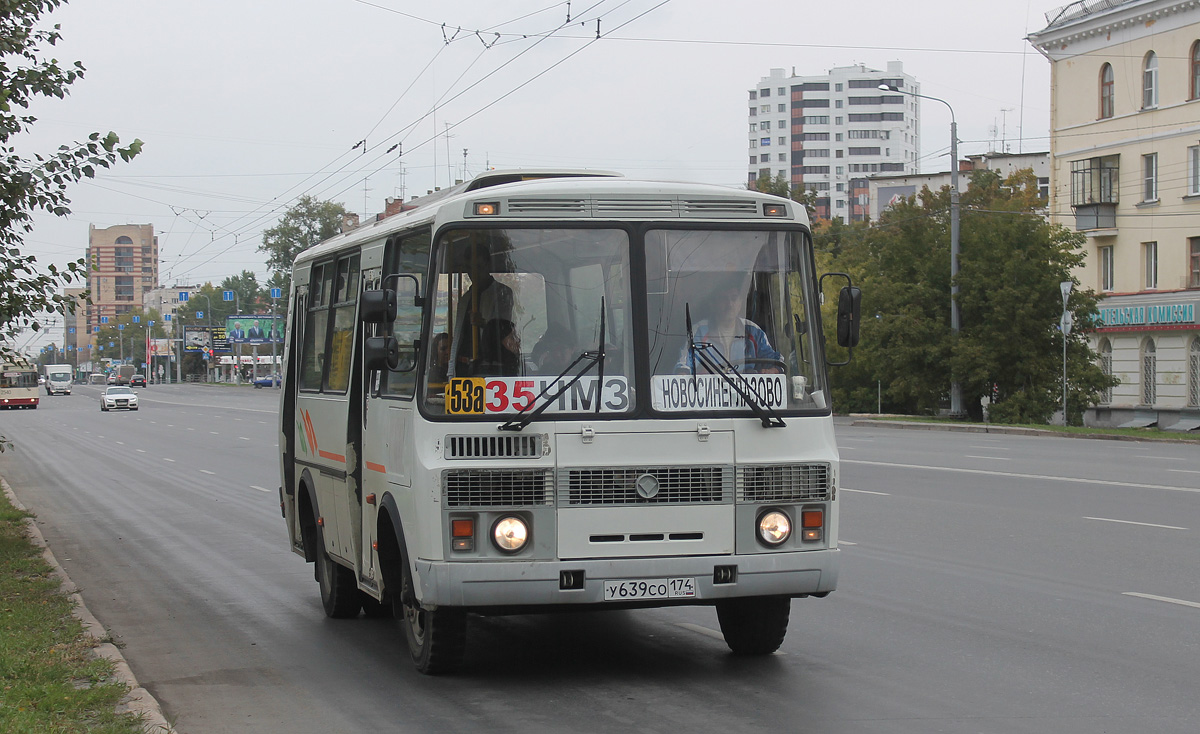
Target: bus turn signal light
[(462, 534), (774, 210), (486, 209), (812, 518)]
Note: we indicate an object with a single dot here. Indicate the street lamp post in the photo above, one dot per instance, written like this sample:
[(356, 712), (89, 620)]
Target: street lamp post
[(956, 401)]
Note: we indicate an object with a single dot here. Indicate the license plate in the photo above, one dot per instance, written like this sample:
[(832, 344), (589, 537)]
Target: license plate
[(636, 589)]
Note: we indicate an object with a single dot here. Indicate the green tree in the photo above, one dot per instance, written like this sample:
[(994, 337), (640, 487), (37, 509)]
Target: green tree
[(122, 338), (1008, 348), (305, 224), (40, 183)]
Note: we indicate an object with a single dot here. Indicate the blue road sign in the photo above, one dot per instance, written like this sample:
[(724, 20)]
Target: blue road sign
[(276, 293), (227, 295), (199, 314), (104, 319), (167, 317), (183, 296), (137, 319), (120, 327)]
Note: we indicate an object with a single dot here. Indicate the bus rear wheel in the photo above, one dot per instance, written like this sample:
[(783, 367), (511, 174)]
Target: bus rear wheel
[(436, 637), (339, 591), (754, 625)]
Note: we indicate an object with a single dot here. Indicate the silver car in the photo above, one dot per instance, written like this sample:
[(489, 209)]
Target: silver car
[(119, 397)]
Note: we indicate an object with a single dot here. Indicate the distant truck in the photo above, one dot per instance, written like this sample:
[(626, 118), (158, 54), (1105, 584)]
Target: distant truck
[(124, 372), (58, 379)]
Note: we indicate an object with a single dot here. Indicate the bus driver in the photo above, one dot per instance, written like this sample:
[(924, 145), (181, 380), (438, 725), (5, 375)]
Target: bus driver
[(739, 340)]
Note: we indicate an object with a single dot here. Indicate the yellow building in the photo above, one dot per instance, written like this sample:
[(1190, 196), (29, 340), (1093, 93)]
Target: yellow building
[(1125, 170)]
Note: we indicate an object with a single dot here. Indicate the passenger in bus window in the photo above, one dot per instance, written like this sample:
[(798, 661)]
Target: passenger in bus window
[(500, 349), (486, 299), (741, 341), (553, 352), (440, 367)]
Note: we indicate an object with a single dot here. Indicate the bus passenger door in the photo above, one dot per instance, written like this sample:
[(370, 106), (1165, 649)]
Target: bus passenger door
[(388, 406)]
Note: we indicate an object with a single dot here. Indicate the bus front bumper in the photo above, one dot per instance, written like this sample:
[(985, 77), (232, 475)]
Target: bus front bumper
[(539, 583)]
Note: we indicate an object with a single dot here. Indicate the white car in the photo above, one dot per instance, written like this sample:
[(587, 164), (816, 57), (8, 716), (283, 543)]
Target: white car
[(118, 397)]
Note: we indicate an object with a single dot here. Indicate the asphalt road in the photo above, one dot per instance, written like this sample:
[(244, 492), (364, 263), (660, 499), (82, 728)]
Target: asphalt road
[(990, 583)]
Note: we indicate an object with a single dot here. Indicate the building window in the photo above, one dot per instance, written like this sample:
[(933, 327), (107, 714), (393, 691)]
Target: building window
[(1150, 177), (1194, 373), (1150, 82), (1150, 252), (1194, 262), (753, 94), (1149, 373), (1106, 368), (1106, 268), (783, 141), (764, 141), (783, 108), (782, 91), (123, 240), (764, 92), (764, 125), (1094, 181), (1193, 174), (1106, 91), (1044, 188), (753, 144), (754, 112), (1195, 71), (754, 160)]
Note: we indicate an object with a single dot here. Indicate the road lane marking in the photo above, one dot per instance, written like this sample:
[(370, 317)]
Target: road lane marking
[(990, 448), (140, 451), (1169, 600), (210, 473), (1186, 471), (1047, 477), (846, 542), (121, 443), (989, 458), (701, 630), (865, 491), (260, 489), (214, 433), (1163, 458), (243, 438), (170, 460), (1131, 522)]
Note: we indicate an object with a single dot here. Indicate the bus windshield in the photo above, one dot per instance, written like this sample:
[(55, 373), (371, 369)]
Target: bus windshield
[(519, 313), (731, 314)]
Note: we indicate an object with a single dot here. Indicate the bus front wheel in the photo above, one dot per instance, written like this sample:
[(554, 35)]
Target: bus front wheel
[(754, 625), (436, 638)]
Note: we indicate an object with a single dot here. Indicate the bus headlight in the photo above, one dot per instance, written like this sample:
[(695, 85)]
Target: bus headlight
[(774, 527), (510, 534)]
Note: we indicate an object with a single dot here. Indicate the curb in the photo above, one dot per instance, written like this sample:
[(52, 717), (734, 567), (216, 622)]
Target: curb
[(1013, 430), (138, 700)]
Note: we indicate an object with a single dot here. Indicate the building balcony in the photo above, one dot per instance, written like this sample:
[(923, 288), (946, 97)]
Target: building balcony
[(1095, 216)]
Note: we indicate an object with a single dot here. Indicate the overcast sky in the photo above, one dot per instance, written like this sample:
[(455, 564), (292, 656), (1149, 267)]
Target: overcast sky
[(244, 105)]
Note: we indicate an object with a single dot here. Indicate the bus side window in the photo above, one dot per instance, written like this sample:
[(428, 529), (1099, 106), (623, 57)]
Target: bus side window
[(316, 322), (341, 343), (409, 255)]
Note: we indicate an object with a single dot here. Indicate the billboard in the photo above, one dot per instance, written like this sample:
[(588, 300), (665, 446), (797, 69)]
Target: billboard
[(200, 338), (254, 329)]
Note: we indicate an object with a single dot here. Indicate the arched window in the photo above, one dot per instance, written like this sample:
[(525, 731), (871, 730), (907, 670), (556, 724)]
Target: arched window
[(1149, 373), (1150, 82), (1106, 91), (1106, 368), (1194, 373), (1195, 71), (123, 240)]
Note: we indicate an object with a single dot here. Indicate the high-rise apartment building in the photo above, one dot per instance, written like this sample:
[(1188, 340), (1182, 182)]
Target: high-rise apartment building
[(829, 133), (122, 266)]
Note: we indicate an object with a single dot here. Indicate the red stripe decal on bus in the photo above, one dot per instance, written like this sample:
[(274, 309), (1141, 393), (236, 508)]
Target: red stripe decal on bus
[(377, 467), (331, 456)]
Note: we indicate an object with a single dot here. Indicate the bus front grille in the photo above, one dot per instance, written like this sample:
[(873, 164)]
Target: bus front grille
[(784, 483), (498, 487), (659, 485), (493, 447)]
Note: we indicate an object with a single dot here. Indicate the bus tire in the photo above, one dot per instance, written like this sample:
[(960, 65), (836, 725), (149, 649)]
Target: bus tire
[(437, 638), (754, 625), (339, 590)]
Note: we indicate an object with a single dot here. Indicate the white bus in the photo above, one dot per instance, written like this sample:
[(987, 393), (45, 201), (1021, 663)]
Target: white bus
[(541, 391), (18, 385)]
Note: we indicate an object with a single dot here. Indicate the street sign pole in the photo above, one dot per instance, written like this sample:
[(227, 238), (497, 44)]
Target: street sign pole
[(1064, 326)]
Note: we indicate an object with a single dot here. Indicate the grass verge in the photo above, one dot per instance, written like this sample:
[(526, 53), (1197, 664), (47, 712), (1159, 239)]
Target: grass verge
[(1142, 433), (50, 681)]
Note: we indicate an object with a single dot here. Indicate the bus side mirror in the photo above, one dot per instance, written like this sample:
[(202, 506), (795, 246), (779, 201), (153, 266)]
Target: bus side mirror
[(378, 307), (381, 353), (849, 310)]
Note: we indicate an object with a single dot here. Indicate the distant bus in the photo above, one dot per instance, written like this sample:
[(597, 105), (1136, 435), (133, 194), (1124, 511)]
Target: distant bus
[(18, 386), (564, 391)]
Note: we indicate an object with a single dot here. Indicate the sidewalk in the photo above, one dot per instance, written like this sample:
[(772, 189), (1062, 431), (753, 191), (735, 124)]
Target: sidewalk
[(866, 419)]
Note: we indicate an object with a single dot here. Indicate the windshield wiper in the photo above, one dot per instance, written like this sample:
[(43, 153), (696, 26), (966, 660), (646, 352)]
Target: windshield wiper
[(722, 366), (525, 416)]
